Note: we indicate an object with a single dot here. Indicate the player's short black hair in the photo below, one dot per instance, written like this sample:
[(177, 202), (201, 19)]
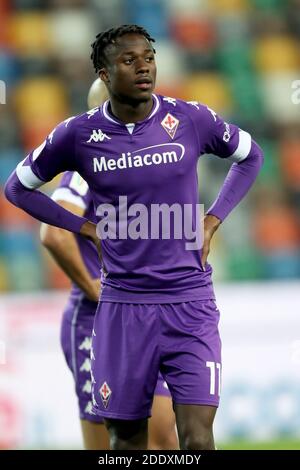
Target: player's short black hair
[(108, 37)]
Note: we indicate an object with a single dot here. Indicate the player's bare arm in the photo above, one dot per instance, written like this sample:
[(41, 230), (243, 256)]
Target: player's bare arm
[(89, 230), (211, 225)]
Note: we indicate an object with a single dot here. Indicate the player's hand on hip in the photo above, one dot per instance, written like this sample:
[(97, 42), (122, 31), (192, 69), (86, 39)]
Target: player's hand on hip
[(89, 230), (211, 224), (94, 290)]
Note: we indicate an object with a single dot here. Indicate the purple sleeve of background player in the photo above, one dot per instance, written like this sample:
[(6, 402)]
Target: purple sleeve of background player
[(54, 155), (228, 141), (74, 189)]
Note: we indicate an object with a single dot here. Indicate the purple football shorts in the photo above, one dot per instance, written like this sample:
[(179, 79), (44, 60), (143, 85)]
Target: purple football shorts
[(76, 331), (132, 343)]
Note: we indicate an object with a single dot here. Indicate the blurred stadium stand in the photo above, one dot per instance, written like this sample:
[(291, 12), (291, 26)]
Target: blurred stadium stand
[(238, 56)]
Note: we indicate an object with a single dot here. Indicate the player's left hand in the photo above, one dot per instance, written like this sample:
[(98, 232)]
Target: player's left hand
[(211, 224)]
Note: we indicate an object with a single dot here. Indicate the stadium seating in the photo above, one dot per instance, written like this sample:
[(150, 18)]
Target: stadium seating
[(238, 56)]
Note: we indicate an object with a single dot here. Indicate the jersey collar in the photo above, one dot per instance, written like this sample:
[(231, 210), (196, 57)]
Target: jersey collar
[(108, 116)]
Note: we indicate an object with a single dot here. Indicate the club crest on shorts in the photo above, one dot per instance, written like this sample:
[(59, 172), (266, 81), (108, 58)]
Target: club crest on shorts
[(105, 393), (170, 124)]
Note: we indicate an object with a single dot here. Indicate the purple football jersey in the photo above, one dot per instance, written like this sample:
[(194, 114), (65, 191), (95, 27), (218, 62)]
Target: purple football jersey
[(150, 163)]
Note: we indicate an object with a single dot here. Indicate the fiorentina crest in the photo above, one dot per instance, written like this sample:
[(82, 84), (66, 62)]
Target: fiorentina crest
[(170, 124), (105, 393)]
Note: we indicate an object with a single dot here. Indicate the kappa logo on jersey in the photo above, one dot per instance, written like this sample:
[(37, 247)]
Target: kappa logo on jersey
[(98, 136), (66, 121), (170, 124), (51, 135), (87, 388), (170, 100), (86, 344), (88, 408), (105, 393), (213, 113), (194, 103), (86, 366), (91, 112)]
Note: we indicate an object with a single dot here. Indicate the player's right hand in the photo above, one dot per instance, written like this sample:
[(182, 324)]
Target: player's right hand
[(89, 230), (94, 291), (211, 224)]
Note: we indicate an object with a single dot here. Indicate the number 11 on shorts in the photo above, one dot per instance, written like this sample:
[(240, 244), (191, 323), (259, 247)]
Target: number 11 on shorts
[(215, 376)]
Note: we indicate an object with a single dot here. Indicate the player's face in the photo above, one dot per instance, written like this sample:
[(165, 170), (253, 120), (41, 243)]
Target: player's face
[(131, 71)]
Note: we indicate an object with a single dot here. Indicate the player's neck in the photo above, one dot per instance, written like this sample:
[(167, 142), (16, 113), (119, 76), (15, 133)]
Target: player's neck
[(128, 112)]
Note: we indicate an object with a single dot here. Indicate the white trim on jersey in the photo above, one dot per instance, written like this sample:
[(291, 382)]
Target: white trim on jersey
[(73, 336), (41, 147), (243, 147), (107, 116), (105, 113), (65, 194), (155, 107), (27, 177)]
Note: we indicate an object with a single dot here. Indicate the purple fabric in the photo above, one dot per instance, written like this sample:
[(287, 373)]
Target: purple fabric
[(76, 334), (76, 331), (132, 343), (155, 164), (161, 388), (239, 180), (67, 182), (41, 206)]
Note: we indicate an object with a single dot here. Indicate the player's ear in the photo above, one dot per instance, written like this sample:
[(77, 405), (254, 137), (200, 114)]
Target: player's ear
[(103, 74)]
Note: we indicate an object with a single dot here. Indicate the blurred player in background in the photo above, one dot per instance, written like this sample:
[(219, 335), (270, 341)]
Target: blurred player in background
[(79, 259), (157, 310)]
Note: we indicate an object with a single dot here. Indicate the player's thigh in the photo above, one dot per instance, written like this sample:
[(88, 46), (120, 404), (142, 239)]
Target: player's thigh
[(125, 360), (191, 355), (162, 429), (95, 435)]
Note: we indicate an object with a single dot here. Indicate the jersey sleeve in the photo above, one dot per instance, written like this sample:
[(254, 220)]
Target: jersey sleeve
[(74, 189), (55, 155), (217, 136)]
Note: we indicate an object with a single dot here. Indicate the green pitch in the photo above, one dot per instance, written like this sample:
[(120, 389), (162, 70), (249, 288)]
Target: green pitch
[(284, 444)]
